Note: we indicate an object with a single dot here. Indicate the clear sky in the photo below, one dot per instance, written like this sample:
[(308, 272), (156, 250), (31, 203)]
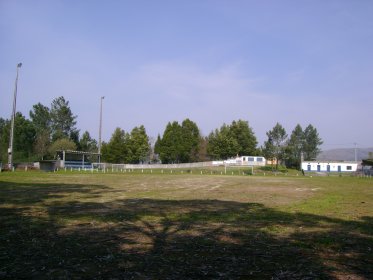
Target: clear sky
[(300, 61)]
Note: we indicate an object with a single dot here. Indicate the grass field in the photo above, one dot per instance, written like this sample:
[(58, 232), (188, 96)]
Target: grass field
[(158, 226)]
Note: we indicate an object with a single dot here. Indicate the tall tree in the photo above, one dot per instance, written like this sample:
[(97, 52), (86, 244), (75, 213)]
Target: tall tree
[(4, 139), (295, 147), (222, 144), (62, 120), (42, 144), (231, 140), (202, 150), (244, 135), (277, 142), (190, 141), (179, 143), (171, 144), (40, 118), (116, 151), (87, 144), (158, 145), (24, 137), (74, 136), (268, 151), (312, 142), (139, 146), (3, 150)]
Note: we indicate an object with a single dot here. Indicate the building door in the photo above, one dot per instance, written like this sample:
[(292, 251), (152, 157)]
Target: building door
[(318, 168), (309, 167), (328, 168), (339, 168)]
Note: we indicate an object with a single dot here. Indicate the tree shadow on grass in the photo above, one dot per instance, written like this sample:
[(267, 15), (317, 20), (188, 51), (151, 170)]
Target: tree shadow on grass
[(173, 239)]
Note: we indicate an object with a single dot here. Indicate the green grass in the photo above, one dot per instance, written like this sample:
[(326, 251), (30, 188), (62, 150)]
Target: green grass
[(73, 225)]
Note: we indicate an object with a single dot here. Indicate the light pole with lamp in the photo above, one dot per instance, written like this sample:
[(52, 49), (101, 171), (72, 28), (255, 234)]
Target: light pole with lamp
[(99, 131), (10, 150)]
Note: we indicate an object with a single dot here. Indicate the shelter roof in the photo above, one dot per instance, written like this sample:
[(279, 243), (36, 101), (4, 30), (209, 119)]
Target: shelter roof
[(78, 152)]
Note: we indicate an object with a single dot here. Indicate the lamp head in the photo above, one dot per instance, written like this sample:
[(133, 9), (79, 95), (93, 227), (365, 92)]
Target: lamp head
[(19, 65)]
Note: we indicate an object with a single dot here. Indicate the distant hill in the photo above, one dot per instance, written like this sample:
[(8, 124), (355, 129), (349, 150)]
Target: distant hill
[(347, 154)]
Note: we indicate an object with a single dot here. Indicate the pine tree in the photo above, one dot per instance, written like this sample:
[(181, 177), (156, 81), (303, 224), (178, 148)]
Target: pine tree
[(222, 144), (295, 147), (138, 145), (115, 151), (87, 144), (190, 141), (312, 141), (62, 120), (277, 143), (244, 135)]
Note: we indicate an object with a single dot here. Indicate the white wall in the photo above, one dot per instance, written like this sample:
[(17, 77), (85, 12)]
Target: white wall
[(251, 160)]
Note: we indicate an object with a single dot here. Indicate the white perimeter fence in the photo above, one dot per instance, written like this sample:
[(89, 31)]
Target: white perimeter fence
[(107, 167), (119, 167)]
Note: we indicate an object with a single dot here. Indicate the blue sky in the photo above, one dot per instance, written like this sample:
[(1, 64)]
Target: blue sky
[(306, 62)]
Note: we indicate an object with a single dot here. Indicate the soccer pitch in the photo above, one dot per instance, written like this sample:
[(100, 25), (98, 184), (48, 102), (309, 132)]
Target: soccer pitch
[(186, 226)]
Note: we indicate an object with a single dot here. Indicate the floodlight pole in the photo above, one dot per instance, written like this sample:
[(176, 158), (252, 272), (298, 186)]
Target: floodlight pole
[(99, 132), (355, 152), (10, 149)]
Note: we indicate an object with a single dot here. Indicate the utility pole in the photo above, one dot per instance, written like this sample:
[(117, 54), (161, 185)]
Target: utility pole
[(11, 141), (100, 129)]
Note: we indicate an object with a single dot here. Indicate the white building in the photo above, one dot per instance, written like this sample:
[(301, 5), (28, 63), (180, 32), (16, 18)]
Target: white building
[(329, 166), (243, 160)]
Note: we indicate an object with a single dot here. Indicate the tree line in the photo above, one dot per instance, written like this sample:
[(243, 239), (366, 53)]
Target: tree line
[(48, 129), (54, 128), (302, 144)]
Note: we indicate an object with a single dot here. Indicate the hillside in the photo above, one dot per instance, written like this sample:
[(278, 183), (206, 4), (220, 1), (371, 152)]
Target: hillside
[(347, 154)]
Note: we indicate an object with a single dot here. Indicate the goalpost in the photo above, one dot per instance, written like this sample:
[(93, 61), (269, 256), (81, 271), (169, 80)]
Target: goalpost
[(108, 167)]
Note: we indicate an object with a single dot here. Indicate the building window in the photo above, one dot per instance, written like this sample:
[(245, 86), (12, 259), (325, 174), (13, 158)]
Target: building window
[(349, 167), (250, 159), (259, 159)]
